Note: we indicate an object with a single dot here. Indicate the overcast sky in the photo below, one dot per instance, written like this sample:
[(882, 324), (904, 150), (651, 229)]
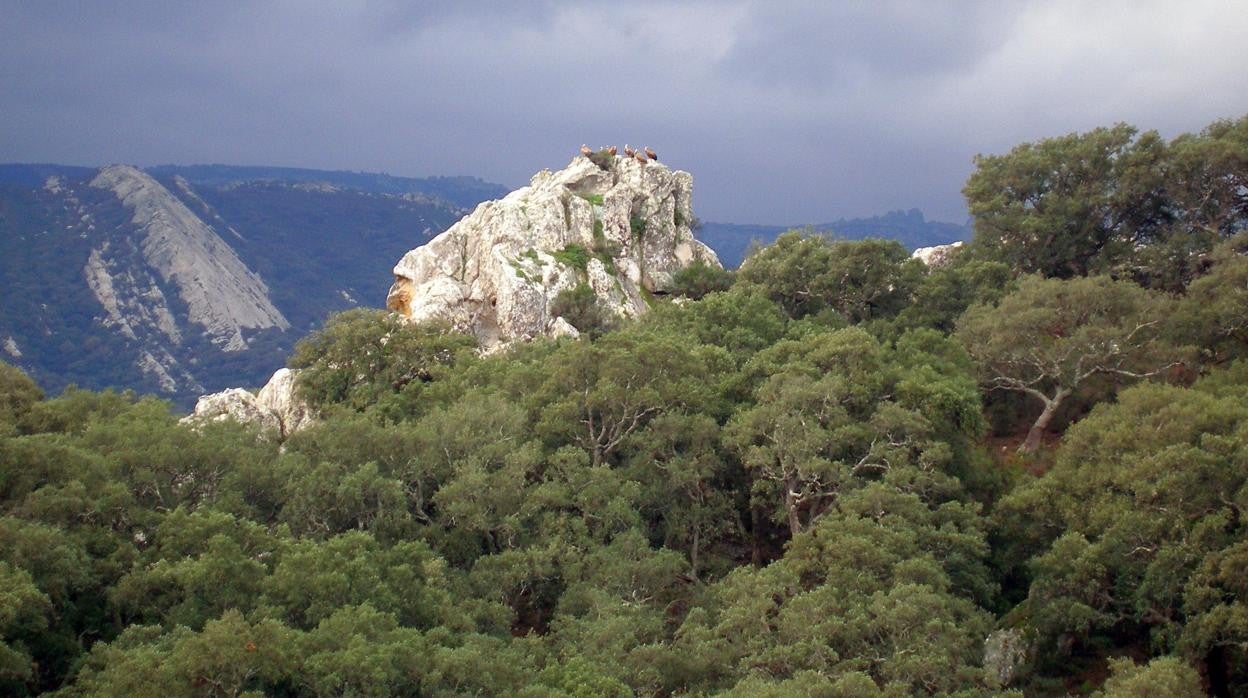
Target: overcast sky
[(785, 112)]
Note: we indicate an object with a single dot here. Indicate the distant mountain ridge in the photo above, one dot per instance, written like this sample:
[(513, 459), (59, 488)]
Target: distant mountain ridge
[(178, 281), (732, 241), (461, 191)]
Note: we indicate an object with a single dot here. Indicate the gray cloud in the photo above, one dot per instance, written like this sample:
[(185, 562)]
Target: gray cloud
[(784, 111)]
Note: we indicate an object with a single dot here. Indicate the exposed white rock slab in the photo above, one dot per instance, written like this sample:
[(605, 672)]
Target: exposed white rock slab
[(236, 404), (221, 293), (276, 406), (152, 367), (495, 273), (938, 255), (131, 298), (279, 398)]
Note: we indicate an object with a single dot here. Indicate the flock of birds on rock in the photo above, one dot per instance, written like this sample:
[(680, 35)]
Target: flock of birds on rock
[(643, 156)]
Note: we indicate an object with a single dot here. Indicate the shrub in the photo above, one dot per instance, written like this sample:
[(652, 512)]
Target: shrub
[(580, 307), (637, 224), (574, 255), (699, 279), (361, 355)]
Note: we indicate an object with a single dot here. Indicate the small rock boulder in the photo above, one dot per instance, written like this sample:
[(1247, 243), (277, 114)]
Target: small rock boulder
[(275, 406)]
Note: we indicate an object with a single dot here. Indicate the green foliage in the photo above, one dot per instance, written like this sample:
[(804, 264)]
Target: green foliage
[(834, 412), (17, 394), (740, 322), (945, 293), (1112, 200), (23, 618), (1214, 312), (574, 256), (699, 278), (580, 306), (637, 225), (603, 159), (1129, 533), (579, 679), (594, 199), (1164, 676), (362, 356), (1050, 337), (860, 280), (855, 597), (1066, 206)]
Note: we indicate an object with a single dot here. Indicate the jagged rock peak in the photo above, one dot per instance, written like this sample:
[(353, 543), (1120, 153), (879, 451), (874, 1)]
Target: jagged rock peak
[(615, 224), (221, 293)]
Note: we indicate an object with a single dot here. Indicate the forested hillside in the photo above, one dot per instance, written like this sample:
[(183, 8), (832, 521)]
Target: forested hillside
[(835, 472), (88, 302)]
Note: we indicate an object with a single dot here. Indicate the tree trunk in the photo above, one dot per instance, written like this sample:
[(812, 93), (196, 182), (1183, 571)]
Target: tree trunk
[(693, 553), (1032, 443), (756, 526), (790, 504)]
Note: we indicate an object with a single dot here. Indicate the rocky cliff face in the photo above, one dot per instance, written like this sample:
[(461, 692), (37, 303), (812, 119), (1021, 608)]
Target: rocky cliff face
[(621, 228), (221, 294)]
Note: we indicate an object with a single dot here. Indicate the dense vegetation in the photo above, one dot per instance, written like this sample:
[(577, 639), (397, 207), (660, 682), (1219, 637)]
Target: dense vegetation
[(837, 473)]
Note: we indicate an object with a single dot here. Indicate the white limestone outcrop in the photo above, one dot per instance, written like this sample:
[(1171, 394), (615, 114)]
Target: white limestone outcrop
[(938, 255), (278, 397), (276, 406), (497, 272)]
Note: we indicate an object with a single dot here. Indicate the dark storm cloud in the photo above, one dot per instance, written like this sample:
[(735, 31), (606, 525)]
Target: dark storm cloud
[(813, 46), (784, 111)]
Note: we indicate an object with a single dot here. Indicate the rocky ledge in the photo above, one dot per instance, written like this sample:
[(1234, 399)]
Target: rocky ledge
[(619, 226)]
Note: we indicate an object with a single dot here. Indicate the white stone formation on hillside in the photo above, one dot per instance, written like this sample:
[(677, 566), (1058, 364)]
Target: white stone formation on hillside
[(275, 406), (938, 255), (221, 294), (497, 272)]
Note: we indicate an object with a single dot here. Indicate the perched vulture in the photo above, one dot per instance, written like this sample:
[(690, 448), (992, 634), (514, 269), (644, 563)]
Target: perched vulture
[(650, 154), (585, 150), (612, 150), (640, 158), (628, 151)]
